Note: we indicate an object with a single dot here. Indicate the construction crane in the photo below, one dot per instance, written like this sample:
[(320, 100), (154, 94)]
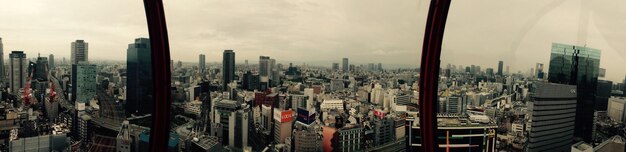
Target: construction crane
[(27, 88), (52, 93)]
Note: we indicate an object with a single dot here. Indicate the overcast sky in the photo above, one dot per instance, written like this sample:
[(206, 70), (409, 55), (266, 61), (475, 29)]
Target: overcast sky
[(479, 32)]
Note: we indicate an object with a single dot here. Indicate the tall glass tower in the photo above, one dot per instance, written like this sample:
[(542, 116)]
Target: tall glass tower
[(228, 73), (139, 78), (577, 65)]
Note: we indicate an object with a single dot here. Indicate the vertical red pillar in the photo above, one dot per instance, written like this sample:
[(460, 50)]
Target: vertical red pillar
[(429, 72), (161, 75)]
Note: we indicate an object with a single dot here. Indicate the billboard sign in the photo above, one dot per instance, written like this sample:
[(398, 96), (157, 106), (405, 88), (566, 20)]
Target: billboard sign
[(305, 116), (283, 116)]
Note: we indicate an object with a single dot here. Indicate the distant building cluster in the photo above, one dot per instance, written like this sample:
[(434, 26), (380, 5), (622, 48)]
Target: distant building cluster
[(91, 105)]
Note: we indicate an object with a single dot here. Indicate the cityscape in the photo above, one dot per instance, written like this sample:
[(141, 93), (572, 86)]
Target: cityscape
[(313, 76), (78, 105)]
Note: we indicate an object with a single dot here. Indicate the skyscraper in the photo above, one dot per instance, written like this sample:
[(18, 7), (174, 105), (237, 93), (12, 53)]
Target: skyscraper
[(345, 66), (577, 65), (539, 71), (2, 74), (18, 73), (500, 66), (83, 82), (80, 50), (228, 70), (264, 72), (233, 119), (139, 78), (623, 87), (41, 69), (553, 112), (335, 66), (274, 75), (202, 63), (51, 61)]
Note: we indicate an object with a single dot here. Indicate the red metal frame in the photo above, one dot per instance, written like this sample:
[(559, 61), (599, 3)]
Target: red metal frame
[(429, 72), (159, 45)]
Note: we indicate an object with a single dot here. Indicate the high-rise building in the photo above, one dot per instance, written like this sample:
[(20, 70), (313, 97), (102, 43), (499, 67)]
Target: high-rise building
[(500, 66), (80, 50), (577, 65), (228, 70), (139, 78), (617, 109), (250, 81), (2, 71), (83, 82), (623, 87), (489, 71), (18, 71), (282, 125), (335, 66), (539, 71), (233, 117), (553, 112), (50, 61), (349, 138), (274, 73), (345, 66), (85, 129), (264, 70), (41, 69), (603, 93), (383, 131), (380, 67), (202, 63)]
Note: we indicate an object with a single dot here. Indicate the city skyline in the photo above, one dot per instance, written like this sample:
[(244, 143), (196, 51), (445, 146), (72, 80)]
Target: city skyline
[(391, 33)]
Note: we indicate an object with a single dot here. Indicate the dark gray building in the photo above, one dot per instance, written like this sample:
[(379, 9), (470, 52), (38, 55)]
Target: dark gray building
[(228, 70), (202, 63), (383, 131), (603, 93), (50, 61), (553, 112), (345, 65), (500, 65), (139, 78), (2, 74)]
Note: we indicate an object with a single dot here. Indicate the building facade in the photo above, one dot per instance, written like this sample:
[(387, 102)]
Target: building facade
[(577, 65), (553, 112), (80, 50), (617, 109), (18, 71), (228, 69), (139, 78), (83, 82)]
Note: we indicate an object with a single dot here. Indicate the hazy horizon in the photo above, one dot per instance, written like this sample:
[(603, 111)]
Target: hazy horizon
[(477, 32)]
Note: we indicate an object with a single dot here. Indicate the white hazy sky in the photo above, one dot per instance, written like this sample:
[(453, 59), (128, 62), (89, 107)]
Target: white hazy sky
[(479, 32)]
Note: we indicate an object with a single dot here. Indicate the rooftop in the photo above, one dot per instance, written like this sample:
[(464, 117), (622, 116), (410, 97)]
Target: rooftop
[(461, 120)]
